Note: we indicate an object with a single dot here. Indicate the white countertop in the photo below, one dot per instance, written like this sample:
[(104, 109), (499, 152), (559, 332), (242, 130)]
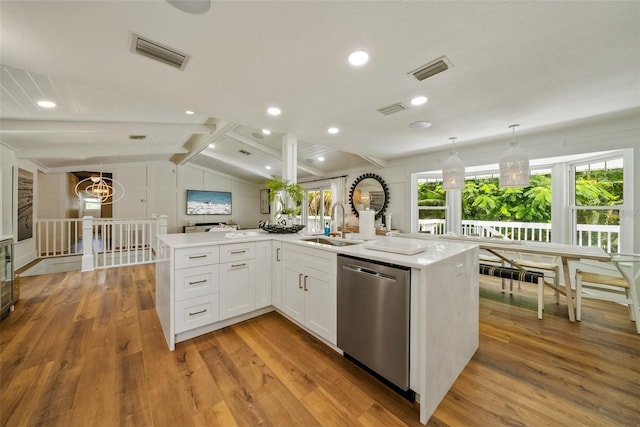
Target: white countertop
[(387, 247)]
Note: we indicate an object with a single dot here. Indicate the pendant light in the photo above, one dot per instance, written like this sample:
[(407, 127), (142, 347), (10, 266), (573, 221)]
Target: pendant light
[(453, 170), (514, 165), (105, 190)]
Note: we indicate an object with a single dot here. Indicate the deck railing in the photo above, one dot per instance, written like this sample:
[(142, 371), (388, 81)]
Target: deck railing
[(102, 242), (604, 236)]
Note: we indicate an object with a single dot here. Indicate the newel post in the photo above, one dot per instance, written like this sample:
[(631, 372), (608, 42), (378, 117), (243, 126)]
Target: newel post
[(87, 244)]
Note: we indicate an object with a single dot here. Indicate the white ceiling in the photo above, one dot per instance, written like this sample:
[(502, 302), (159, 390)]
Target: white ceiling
[(533, 63)]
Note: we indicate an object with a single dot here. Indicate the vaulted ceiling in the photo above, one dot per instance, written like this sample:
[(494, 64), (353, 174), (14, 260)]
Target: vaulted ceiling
[(533, 63)]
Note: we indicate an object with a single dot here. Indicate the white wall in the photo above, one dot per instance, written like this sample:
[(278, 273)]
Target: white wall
[(154, 188), (613, 132), (24, 251), (161, 187)]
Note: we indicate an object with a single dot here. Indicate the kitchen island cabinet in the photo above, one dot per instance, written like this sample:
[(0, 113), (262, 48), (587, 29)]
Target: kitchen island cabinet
[(444, 305)]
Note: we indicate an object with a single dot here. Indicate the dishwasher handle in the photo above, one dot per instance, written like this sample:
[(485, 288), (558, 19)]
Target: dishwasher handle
[(368, 272)]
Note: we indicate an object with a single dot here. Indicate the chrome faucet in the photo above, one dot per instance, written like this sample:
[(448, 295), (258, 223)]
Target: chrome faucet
[(343, 233)]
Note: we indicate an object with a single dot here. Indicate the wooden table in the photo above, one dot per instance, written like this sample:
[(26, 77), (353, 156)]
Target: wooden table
[(565, 252)]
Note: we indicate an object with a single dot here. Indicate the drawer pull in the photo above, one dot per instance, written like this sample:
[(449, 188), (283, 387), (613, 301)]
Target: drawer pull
[(198, 281), (198, 312), (238, 252), (197, 256), (277, 254), (238, 265), (305, 283), (300, 280)]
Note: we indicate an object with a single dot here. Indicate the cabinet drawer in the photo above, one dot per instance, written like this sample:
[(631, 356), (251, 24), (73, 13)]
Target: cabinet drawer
[(196, 312), (196, 256), (197, 281), (237, 251)]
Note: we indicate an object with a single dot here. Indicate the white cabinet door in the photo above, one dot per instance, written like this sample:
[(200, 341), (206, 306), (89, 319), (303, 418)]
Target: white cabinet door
[(264, 267), (320, 309), (309, 297), (237, 288), (292, 291), (276, 278)]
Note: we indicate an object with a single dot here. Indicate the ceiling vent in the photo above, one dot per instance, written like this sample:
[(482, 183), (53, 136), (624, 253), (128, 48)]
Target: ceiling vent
[(245, 152), (159, 52), (432, 68), (393, 108), (137, 137)]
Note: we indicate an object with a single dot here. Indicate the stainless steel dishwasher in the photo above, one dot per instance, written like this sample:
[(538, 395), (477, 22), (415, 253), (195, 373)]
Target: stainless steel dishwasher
[(373, 317)]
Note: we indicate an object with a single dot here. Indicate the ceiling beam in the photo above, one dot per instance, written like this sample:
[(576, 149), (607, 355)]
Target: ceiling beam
[(88, 152), (237, 164), (68, 126), (196, 143), (270, 151), (375, 162)]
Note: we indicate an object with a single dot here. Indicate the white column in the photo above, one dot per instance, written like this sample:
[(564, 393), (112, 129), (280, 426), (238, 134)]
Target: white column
[(290, 158), (453, 222), (163, 224), (561, 222), (87, 244)]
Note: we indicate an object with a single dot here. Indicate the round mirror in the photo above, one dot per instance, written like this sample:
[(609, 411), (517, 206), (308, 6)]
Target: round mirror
[(369, 191)]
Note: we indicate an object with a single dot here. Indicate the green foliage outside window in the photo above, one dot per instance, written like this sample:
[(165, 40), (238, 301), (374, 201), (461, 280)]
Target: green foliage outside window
[(484, 200)]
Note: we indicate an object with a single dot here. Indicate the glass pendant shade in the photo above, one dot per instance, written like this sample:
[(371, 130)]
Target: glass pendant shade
[(514, 166), (453, 173)]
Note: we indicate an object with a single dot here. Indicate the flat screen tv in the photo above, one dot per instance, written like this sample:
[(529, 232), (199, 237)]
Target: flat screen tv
[(208, 202)]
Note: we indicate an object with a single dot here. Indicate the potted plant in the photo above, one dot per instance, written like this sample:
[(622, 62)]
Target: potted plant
[(290, 196)]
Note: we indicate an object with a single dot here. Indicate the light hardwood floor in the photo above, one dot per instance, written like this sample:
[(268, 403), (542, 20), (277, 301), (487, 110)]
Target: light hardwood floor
[(86, 349)]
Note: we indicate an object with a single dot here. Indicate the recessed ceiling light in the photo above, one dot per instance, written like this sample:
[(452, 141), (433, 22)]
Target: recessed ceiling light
[(46, 104), (189, 112), (359, 57), (274, 111), (419, 100), (266, 131), (333, 131), (193, 7), (321, 159), (420, 125), (268, 167), (212, 145)]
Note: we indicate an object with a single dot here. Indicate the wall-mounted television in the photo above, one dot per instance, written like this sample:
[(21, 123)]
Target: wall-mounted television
[(208, 202)]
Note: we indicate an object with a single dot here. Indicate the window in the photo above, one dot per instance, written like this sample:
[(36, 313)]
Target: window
[(597, 200), (318, 209), (91, 204), (432, 205), (487, 209)]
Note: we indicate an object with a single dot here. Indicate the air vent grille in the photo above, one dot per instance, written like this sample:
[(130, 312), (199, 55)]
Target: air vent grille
[(137, 137), (431, 69), (159, 52), (393, 108), (245, 152)]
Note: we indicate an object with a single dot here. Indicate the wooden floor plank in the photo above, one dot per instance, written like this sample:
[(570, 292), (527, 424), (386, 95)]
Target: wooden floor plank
[(87, 349), (95, 401)]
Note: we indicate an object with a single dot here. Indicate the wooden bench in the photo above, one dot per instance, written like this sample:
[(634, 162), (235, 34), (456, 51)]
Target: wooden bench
[(517, 274)]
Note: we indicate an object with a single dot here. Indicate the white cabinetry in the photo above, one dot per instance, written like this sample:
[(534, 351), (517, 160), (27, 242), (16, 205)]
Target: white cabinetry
[(309, 294), (264, 275), (276, 274), (197, 287), (237, 279)]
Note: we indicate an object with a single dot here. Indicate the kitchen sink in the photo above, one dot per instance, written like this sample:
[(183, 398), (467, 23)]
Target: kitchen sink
[(332, 242)]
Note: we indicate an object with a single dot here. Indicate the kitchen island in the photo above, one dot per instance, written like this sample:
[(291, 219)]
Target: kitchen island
[(206, 281)]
